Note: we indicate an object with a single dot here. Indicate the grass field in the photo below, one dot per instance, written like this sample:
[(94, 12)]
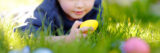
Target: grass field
[(122, 20)]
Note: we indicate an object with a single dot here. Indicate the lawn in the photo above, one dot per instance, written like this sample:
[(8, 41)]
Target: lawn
[(122, 20)]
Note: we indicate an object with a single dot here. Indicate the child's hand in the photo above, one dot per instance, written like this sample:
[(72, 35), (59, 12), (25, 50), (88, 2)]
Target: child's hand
[(77, 32), (85, 30)]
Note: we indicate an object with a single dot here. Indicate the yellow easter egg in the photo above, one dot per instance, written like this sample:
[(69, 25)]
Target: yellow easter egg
[(90, 23)]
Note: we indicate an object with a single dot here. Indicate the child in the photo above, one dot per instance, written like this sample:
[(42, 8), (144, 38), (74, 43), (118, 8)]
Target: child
[(63, 14)]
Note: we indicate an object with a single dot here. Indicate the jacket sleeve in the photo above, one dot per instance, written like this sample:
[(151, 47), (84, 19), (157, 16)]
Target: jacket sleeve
[(36, 23), (45, 16)]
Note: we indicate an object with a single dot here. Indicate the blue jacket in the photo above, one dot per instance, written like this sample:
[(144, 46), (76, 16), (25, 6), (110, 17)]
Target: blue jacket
[(49, 15)]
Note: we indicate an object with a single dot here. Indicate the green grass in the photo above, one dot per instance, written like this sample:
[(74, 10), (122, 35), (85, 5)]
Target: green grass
[(120, 23)]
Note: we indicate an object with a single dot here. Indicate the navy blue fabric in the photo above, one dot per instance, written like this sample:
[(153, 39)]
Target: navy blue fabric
[(49, 13)]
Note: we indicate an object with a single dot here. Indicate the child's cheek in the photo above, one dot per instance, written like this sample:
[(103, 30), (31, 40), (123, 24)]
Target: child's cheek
[(67, 8), (89, 6)]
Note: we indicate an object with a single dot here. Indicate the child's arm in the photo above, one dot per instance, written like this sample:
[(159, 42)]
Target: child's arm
[(75, 32)]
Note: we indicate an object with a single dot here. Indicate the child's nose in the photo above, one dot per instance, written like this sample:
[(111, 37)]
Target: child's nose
[(79, 4)]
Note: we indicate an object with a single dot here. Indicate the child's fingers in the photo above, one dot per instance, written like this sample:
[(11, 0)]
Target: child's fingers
[(76, 24), (84, 35), (85, 29), (74, 29)]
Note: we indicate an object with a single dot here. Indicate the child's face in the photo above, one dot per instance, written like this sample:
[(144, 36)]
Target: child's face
[(76, 9)]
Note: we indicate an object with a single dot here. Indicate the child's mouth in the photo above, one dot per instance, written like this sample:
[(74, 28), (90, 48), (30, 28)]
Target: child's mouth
[(78, 12)]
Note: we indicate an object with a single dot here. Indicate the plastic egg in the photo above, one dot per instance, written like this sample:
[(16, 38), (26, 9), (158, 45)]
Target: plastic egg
[(135, 45), (90, 23)]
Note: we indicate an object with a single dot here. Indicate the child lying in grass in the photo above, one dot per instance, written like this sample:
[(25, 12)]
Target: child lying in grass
[(65, 15)]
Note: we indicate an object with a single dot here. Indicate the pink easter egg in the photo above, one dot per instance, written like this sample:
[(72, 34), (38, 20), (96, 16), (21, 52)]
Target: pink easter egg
[(136, 45)]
